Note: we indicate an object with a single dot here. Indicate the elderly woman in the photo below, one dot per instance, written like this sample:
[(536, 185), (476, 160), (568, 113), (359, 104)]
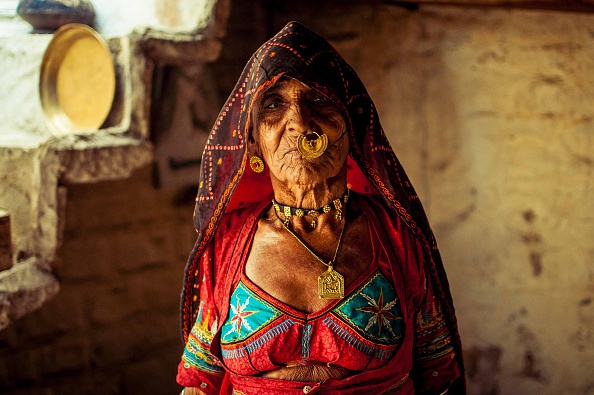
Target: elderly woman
[(315, 270)]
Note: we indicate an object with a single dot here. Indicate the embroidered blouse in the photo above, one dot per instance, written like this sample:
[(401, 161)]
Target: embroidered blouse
[(361, 331)]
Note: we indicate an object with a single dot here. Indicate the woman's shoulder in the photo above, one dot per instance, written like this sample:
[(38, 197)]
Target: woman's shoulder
[(381, 213), (240, 216), (368, 201)]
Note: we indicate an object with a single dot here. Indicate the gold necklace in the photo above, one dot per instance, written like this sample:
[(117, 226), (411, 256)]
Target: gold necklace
[(330, 283), (314, 213)]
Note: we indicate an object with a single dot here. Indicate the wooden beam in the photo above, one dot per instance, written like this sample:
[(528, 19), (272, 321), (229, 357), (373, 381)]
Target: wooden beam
[(559, 5)]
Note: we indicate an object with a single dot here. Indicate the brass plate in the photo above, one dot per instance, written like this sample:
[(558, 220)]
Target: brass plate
[(77, 80)]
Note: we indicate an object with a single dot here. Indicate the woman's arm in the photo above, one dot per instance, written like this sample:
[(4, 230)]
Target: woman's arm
[(191, 391)]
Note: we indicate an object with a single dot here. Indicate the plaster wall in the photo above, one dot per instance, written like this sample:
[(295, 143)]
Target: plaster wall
[(491, 112), (117, 17), (114, 326)]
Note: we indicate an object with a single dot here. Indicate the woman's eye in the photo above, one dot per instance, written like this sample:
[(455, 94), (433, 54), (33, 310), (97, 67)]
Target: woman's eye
[(272, 103), (319, 100)]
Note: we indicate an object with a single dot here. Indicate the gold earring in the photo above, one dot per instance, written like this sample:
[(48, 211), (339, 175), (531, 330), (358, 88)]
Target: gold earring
[(257, 164)]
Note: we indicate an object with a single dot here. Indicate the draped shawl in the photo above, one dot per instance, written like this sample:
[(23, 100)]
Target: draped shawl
[(227, 183)]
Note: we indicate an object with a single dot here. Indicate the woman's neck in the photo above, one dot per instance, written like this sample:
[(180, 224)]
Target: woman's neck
[(309, 196)]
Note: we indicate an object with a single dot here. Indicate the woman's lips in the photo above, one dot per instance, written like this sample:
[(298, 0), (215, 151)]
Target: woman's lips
[(294, 149)]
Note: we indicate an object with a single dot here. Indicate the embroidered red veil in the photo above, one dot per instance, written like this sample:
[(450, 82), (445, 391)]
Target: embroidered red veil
[(226, 182)]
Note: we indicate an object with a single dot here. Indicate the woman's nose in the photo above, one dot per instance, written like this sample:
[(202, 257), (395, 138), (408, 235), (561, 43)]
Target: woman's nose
[(299, 119)]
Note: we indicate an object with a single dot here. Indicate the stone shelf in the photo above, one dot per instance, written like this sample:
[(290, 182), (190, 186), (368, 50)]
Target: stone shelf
[(24, 288), (100, 157)]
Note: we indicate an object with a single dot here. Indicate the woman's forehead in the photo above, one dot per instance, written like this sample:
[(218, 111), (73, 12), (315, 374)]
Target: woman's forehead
[(285, 83)]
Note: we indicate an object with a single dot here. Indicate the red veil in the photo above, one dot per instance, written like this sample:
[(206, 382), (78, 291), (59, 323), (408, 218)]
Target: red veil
[(372, 166)]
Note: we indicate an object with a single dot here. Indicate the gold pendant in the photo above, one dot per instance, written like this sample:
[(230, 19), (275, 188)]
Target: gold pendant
[(331, 284), (313, 148)]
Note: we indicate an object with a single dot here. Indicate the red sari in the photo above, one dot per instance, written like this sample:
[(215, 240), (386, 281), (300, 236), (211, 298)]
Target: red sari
[(428, 355)]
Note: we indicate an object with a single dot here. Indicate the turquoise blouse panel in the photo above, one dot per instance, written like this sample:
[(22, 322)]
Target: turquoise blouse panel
[(374, 310), (248, 313)]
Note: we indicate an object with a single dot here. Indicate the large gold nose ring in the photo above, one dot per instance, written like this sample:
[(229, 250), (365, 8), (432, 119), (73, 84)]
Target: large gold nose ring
[(312, 147)]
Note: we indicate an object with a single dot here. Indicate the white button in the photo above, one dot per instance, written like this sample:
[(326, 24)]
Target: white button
[(306, 389), (203, 385)]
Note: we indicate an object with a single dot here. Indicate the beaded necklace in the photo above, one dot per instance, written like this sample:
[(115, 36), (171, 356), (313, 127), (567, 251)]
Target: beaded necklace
[(288, 211)]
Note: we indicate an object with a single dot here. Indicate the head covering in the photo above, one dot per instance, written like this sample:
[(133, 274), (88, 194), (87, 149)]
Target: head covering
[(225, 184)]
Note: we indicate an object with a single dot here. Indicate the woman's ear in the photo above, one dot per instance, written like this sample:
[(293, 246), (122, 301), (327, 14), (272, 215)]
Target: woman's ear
[(252, 145), (251, 134)]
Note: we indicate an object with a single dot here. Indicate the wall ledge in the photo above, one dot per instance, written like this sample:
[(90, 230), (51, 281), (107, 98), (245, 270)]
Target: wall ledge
[(100, 157), (24, 288)]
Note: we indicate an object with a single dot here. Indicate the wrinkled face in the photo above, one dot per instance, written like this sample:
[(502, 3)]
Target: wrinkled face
[(283, 113)]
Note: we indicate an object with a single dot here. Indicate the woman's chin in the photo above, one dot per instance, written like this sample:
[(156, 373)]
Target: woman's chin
[(306, 176)]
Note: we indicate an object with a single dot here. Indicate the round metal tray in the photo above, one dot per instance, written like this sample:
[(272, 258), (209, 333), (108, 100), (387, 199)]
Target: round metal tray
[(77, 80)]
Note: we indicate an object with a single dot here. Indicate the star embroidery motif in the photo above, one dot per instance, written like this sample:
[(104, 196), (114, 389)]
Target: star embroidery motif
[(239, 319), (381, 314)]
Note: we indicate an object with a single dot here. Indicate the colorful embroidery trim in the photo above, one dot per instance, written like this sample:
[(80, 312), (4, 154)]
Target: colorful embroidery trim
[(376, 351), (233, 352), (197, 351), (432, 338)]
